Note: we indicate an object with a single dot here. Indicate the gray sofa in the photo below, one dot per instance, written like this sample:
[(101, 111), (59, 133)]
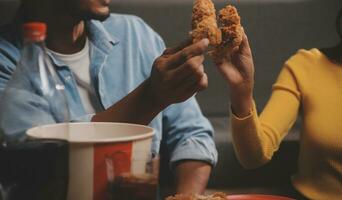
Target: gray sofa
[(276, 29)]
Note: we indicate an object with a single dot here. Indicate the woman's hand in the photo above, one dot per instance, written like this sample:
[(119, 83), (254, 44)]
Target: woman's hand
[(237, 69)]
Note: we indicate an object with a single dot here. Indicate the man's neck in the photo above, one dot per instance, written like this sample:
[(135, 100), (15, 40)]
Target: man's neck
[(66, 37)]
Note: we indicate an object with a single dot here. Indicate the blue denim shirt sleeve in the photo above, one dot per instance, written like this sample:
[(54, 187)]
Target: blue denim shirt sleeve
[(189, 135), (83, 118), (5, 72), (8, 57), (23, 110)]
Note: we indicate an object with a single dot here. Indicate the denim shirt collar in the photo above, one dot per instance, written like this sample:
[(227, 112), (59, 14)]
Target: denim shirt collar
[(101, 44), (98, 36)]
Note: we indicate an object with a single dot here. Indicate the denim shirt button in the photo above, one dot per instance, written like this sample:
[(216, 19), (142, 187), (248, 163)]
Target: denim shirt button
[(68, 78)]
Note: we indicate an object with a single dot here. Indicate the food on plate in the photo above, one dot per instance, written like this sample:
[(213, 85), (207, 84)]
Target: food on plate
[(204, 24), (216, 196)]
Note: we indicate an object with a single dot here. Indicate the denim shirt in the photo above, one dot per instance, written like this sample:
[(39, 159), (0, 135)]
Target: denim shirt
[(122, 51)]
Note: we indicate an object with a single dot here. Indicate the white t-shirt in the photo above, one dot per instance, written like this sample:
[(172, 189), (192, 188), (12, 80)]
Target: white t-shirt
[(79, 63)]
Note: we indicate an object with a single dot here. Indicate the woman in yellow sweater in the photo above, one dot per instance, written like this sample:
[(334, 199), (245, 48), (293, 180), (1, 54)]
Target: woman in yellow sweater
[(311, 83)]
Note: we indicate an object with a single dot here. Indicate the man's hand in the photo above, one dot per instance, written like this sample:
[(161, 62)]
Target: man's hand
[(179, 73), (176, 76)]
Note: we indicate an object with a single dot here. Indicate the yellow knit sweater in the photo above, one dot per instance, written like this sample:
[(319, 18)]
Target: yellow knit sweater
[(311, 84)]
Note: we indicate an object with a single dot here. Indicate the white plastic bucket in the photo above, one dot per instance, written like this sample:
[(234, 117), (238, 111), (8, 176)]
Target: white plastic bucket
[(92, 146)]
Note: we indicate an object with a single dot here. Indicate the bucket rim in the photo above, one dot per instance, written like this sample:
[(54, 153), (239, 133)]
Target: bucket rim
[(148, 133)]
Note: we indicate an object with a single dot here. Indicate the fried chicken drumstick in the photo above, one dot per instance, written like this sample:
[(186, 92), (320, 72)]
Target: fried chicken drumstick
[(232, 32), (216, 196), (204, 23)]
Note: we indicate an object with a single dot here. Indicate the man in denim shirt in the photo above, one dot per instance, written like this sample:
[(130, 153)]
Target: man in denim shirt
[(133, 78)]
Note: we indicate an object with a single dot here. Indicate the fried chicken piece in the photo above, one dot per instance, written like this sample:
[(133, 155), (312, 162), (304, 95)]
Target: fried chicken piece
[(231, 28), (204, 23), (232, 32), (181, 197), (220, 195), (216, 196)]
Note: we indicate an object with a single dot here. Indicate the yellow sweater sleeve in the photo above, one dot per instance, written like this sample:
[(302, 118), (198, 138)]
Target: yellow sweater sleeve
[(255, 137)]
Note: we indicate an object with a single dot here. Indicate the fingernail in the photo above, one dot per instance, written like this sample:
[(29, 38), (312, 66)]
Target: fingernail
[(205, 41)]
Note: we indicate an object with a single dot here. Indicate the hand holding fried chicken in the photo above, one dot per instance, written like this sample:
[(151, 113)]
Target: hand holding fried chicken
[(231, 54), (178, 73), (234, 60)]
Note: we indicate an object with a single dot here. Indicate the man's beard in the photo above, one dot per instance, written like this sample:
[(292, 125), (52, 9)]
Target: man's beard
[(87, 15), (84, 13)]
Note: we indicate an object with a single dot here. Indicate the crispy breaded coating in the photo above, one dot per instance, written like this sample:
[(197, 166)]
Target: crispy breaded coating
[(232, 31), (229, 16), (230, 23), (220, 196), (204, 23), (216, 196), (181, 197)]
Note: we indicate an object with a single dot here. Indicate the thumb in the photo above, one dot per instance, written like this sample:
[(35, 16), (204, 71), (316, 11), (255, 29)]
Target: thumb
[(182, 45), (245, 47)]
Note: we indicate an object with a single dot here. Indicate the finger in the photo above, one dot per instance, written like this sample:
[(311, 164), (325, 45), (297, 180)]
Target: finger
[(194, 66), (177, 48), (228, 71), (196, 86), (187, 53), (235, 49), (190, 88), (203, 83), (187, 79), (192, 82), (243, 52), (178, 76), (245, 47)]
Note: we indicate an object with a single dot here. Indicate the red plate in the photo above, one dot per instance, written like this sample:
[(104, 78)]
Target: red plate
[(256, 197)]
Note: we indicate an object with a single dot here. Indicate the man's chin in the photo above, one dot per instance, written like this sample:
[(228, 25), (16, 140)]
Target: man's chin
[(96, 16), (101, 17)]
